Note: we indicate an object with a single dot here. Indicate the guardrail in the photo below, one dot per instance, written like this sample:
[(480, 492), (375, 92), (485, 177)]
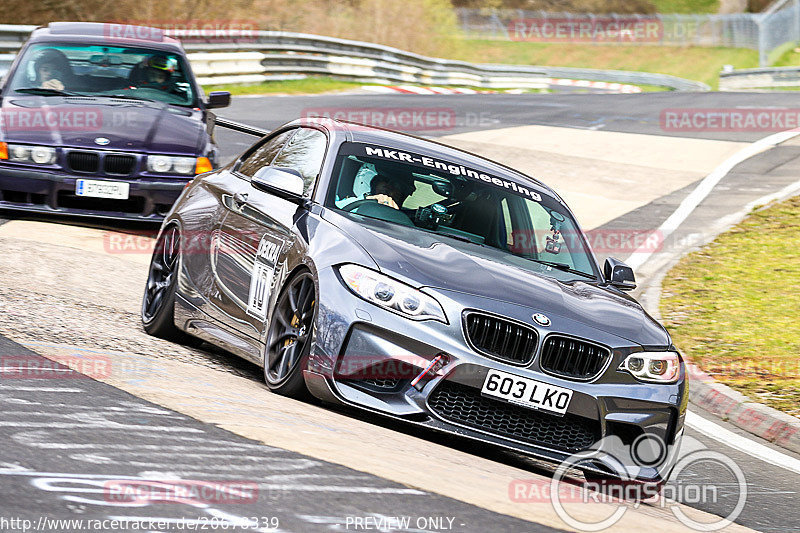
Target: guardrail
[(759, 78), (265, 55), (272, 53)]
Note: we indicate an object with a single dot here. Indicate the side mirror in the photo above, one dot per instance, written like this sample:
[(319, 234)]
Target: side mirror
[(217, 99), (286, 183), (619, 274)]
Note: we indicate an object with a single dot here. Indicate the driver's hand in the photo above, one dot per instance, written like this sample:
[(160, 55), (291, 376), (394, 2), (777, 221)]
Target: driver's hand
[(53, 84), (385, 200)]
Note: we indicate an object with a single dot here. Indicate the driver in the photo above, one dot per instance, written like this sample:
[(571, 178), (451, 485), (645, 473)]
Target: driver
[(388, 191), (157, 71), (50, 67)]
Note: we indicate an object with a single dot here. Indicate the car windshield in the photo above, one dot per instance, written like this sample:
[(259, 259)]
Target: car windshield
[(99, 70), (532, 229)]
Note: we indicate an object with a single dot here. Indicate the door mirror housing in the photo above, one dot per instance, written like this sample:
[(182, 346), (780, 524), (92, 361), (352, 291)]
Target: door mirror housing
[(619, 275), (217, 99), (284, 182)]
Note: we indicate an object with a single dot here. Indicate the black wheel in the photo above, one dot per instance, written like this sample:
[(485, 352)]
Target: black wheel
[(289, 337), (158, 304)]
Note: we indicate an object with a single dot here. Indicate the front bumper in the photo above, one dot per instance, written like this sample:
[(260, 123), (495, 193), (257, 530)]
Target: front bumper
[(53, 192), (355, 336)]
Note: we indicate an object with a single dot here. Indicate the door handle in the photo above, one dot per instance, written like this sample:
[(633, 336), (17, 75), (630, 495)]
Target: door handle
[(240, 198)]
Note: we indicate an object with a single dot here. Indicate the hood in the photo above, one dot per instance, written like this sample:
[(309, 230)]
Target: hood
[(77, 121), (425, 259)]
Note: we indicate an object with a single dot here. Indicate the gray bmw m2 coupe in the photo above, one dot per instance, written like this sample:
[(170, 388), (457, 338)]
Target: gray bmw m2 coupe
[(424, 283)]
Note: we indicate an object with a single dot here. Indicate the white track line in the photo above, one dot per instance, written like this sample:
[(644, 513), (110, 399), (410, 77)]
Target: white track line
[(704, 188), (689, 204), (741, 443)]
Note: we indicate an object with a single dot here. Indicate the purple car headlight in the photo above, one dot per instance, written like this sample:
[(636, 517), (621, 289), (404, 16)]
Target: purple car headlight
[(24, 153), (165, 164)]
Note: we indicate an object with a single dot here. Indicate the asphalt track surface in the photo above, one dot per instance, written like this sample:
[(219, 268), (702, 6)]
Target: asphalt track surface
[(46, 434), (628, 113)]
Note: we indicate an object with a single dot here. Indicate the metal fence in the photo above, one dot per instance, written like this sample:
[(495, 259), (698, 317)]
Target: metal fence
[(770, 32)]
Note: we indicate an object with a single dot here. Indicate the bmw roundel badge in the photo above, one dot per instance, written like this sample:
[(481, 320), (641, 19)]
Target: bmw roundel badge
[(541, 319)]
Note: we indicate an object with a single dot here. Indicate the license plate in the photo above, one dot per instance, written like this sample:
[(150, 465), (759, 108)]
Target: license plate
[(116, 190), (526, 392)]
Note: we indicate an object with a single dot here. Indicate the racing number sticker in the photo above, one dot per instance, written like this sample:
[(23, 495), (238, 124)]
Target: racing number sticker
[(266, 261)]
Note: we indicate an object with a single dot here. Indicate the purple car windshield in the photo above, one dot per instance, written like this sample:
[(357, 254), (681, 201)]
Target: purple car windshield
[(99, 70)]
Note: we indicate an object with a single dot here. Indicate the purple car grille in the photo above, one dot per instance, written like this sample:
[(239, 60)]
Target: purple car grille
[(83, 161), (90, 162)]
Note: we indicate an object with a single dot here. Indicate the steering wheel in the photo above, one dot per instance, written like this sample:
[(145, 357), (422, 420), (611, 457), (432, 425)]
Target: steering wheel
[(358, 203)]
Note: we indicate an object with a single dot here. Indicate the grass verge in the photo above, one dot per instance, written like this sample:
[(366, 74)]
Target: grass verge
[(686, 6), (310, 85), (693, 63), (734, 306)]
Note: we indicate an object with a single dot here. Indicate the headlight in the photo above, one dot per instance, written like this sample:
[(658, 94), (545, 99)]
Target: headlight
[(183, 165), (41, 155), (164, 164), (653, 367), (391, 294)]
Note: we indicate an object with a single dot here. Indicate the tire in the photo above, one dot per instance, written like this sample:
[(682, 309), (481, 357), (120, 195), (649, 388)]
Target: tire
[(289, 337), (158, 302)]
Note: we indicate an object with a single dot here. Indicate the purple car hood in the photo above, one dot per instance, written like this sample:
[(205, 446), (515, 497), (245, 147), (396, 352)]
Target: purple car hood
[(87, 122)]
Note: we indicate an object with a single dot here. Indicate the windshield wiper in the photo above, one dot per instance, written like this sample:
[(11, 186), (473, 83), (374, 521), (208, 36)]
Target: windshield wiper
[(45, 92), (458, 238), (142, 99), (129, 97), (564, 267)]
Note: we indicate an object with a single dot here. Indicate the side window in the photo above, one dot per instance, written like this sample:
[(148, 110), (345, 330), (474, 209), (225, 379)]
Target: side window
[(264, 154), (304, 153)]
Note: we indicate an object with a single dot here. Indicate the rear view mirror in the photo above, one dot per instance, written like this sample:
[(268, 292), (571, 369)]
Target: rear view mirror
[(286, 183), (619, 274), (217, 99)]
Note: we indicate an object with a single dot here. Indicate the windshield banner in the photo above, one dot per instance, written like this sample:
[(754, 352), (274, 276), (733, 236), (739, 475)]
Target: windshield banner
[(444, 166)]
